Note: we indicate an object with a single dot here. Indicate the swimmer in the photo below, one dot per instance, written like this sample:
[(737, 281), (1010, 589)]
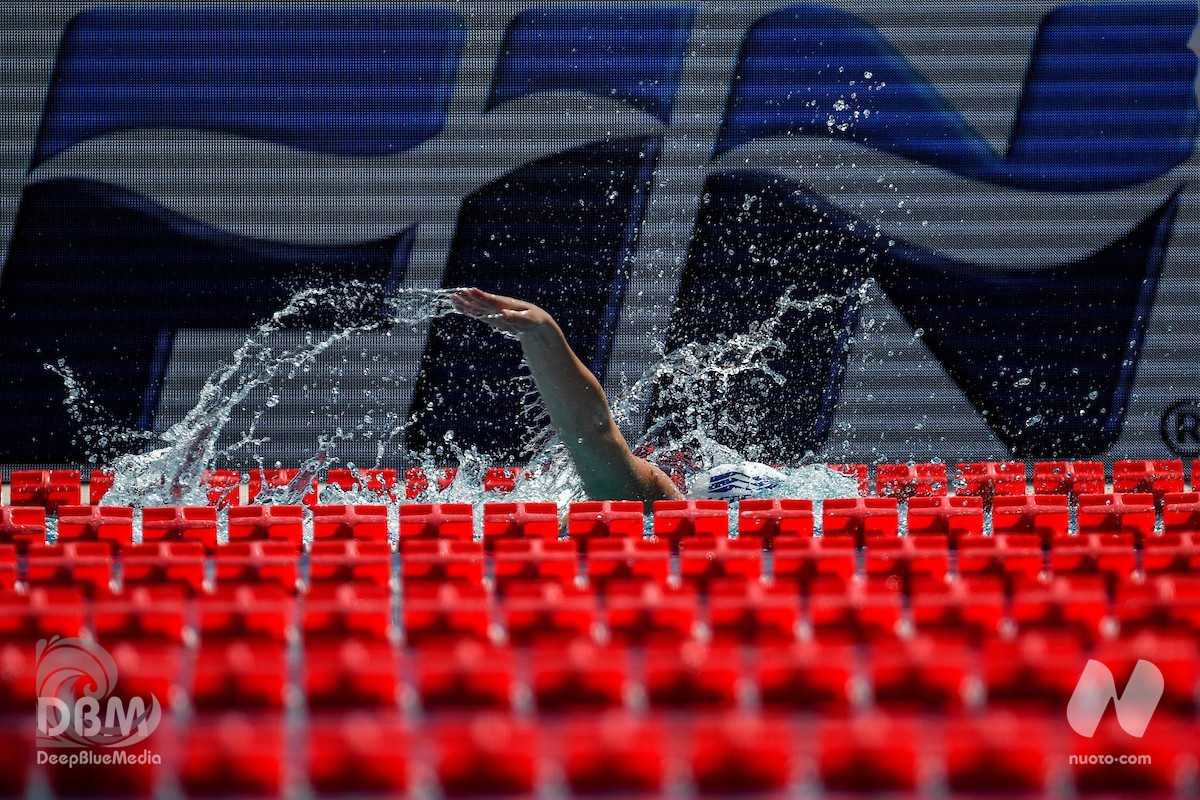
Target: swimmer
[(575, 401)]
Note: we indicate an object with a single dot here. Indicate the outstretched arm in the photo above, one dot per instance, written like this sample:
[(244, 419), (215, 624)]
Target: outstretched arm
[(578, 408)]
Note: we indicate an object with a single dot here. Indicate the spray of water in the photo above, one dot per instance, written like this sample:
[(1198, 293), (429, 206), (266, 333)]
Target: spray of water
[(170, 468)]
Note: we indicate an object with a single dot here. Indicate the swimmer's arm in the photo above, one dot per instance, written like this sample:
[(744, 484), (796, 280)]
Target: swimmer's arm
[(575, 401)]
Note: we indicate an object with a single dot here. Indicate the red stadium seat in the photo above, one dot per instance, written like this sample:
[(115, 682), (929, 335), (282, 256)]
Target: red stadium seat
[(753, 613), (535, 560), (1045, 516), (736, 754), (1079, 601), (951, 517), (278, 479), (417, 480), (1165, 603), (547, 611), (99, 482), (359, 610), (692, 675), (903, 481), (808, 675), (21, 527), (861, 518), (349, 673), (84, 564), (804, 560), (972, 605), (1174, 654), (467, 674), (43, 612), (8, 568), (357, 754), (603, 519), (1157, 478), (437, 521), (578, 674), (1035, 670), (996, 752), (991, 479), (1070, 478), (1181, 513), (501, 480), (1013, 554), (519, 521), (234, 754), (180, 523), (333, 562), (1117, 513), (262, 523), (486, 754), (178, 563), (921, 675), (615, 754), (446, 612), (678, 519), (642, 612), (908, 558), (45, 488), (380, 482), (93, 523), (435, 561), (1105, 553), (18, 679), (703, 560), (350, 522), (863, 611), (143, 613), (867, 755), (858, 472), (255, 611), (765, 520), (1172, 552), (1164, 748), (240, 674), (257, 562), (224, 487), (628, 560)]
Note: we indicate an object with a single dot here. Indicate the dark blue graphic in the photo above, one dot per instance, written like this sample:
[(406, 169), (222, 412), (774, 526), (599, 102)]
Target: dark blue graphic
[(629, 53), (1109, 97), (348, 82), (559, 232), (102, 278)]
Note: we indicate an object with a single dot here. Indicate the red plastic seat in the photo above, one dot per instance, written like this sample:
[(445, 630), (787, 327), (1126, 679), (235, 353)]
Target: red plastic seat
[(1045, 516), (628, 560), (703, 560), (908, 557), (920, 675), (435, 561), (178, 563), (234, 754), (445, 612), (766, 520), (501, 480), (486, 754), (1165, 603), (1105, 553), (147, 667), (154, 612), (1070, 478), (350, 522), (1171, 552), (84, 564), (359, 610), (867, 611), (45, 488), (1077, 600), (224, 487), (578, 674), (1164, 747), (240, 674), (540, 612), (262, 611), (811, 675), (614, 753), (437, 521), (996, 752), (991, 479), (951, 517), (262, 523), (18, 678), (1010, 555), (417, 480), (99, 482), (858, 472), (692, 675), (467, 674), (1174, 654), (867, 754), (904, 481), (644, 612), (678, 519), (349, 673), (96, 523), (357, 754), (257, 562), (278, 479), (535, 560), (604, 519), (973, 605), (43, 612), (735, 754), (371, 481), (180, 523), (1117, 513), (861, 518), (754, 613), (1157, 478), (520, 521), (1181, 513), (21, 527), (1036, 669), (345, 562), (804, 560), (8, 568)]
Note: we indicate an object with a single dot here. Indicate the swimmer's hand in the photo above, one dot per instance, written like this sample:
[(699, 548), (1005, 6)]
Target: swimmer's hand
[(506, 314)]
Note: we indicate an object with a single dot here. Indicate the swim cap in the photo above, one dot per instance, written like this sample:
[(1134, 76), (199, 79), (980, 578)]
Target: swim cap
[(735, 481)]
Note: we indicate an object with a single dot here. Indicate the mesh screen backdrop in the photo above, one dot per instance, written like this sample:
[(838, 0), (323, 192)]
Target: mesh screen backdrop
[(993, 203)]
